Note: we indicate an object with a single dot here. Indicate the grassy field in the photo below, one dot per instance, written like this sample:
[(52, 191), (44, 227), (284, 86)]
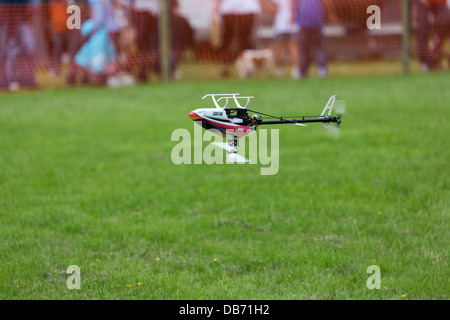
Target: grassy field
[(86, 179)]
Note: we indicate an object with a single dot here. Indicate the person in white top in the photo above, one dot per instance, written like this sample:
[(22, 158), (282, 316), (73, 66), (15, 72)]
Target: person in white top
[(151, 6), (238, 19), (238, 6), (286, 33)]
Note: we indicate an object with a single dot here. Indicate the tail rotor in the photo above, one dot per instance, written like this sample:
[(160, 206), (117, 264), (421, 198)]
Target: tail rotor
[(334, 131)]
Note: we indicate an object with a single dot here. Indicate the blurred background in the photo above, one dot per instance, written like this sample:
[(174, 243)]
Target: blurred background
[(124, 42), (87, 179)]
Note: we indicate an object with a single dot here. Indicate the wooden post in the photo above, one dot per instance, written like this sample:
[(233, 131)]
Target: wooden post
[(164, 39), (406, 17)]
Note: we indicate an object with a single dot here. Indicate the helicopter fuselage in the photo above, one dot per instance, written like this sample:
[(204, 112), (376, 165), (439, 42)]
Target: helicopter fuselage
[(227, 121)]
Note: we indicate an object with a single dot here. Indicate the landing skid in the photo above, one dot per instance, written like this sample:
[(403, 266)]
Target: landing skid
[(232, 148)]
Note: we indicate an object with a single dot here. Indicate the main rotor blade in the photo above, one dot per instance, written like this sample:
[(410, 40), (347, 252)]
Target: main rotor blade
[(299, 124)]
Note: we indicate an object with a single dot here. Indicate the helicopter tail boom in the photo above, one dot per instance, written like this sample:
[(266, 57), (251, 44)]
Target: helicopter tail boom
[(325, 117)]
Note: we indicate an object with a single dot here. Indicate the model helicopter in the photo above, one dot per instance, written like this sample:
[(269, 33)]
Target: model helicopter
[(235, 122)]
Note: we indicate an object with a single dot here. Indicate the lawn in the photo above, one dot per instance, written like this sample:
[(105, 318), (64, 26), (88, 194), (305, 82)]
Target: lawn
[(86, 179)]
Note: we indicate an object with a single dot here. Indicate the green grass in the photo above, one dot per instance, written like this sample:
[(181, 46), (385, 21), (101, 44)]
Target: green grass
[(86, 179)]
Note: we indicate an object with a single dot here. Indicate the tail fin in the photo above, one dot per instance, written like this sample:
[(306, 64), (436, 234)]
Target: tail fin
[(327, 111)]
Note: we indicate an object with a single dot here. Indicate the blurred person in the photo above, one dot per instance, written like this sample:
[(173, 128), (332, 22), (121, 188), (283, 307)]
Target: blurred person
[(286, 32), (238, 19), (98, 53), (125, 45), (74, 43), (45, 26), (438, 12), (126, 38), (310, 16), (4, 25), (145, 19), (59, 33), (17, 45), (423, 31), (440, 32), (182, 36)]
